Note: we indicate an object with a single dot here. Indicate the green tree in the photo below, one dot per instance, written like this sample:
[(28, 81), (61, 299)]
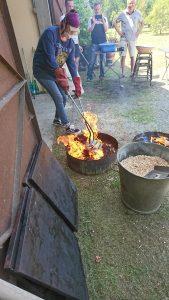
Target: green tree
[(149, 6), (145, 6), (112, 8), (159, 17), (84, 10)]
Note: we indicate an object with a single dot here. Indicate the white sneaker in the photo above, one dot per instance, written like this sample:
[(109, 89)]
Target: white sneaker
[(70, 129)]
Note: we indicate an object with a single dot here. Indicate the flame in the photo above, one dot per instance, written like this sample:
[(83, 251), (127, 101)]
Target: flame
[(79, 146), (161, 140), (66, 139), (92, 119)]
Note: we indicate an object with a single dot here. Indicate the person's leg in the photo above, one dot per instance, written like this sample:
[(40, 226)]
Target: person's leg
[(123, 59), (92, 62), (123, 44), (132, 64), (55, 93), (97, 61), (63, 95), (131, 47), (102, 56)]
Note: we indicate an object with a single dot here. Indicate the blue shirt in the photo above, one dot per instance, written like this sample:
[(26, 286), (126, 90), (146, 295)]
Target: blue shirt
[(52, 53)]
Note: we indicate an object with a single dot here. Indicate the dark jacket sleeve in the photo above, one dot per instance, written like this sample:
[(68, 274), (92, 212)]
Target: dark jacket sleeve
[(48, 43), (71, 62)]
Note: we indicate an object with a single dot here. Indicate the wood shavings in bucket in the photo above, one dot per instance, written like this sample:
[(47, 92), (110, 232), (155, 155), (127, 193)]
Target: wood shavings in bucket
[(141, 165)]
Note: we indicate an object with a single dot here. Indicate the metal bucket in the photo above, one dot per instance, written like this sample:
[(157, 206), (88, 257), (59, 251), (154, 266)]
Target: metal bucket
[(143, 195)]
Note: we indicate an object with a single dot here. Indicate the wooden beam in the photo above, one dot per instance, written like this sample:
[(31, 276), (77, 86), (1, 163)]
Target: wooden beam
[(41, 8)]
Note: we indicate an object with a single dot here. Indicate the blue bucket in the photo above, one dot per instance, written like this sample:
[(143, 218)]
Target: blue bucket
[(108, 47)]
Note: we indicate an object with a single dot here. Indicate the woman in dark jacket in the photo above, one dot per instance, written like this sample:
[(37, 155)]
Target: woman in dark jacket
[(55, 48)]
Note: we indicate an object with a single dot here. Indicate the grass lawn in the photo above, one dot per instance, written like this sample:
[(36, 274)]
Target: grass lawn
[(159, 42), (125, 255)]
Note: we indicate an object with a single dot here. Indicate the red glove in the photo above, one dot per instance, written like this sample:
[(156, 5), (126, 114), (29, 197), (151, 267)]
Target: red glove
[(61, 79), (78, 86)]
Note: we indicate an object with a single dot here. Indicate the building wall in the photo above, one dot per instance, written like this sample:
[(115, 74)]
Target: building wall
[(26, 29), (43, 14), (29, 18), (57, 8)]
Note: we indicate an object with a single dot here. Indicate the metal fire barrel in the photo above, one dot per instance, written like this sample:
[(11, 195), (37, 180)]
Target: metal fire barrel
[(146, 136), (93, 167), (143, 195)]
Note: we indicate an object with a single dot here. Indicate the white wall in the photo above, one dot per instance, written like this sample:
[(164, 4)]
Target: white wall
[(11, 292)]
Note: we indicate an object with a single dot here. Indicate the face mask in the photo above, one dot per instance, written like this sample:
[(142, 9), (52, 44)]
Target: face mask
[(71, 33), (67, 34)]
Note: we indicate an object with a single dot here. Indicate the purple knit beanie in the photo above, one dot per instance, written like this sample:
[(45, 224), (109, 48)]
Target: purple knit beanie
[(72, 18)]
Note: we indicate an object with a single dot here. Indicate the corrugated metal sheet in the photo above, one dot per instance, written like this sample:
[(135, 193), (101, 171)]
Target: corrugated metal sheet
[(19, 132), (48, 177)]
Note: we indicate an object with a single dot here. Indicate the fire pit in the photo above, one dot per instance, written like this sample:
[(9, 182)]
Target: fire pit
[(91, 152), (92, 166), (156, 137)]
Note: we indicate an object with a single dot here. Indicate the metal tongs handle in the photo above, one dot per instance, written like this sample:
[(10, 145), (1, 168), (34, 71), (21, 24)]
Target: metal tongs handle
[(81, 112)]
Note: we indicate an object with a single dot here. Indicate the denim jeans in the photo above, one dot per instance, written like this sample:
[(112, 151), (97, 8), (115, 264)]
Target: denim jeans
[(94, 49), (59, 97)]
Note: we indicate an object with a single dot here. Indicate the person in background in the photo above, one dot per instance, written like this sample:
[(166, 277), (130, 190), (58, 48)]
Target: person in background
[(131, 25), (55, 48), (98, 25), (78, 49)]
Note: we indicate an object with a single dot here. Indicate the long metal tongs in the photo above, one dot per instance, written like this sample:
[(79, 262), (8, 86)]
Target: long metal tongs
[(81, 112)]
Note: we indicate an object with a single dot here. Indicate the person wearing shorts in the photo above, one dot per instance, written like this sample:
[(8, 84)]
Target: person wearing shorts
[(131, 21)]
